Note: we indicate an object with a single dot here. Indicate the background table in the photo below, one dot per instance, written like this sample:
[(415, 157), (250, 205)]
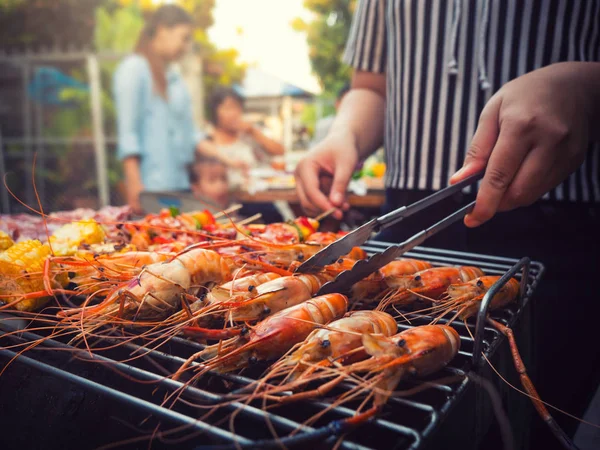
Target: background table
[(373, 199)]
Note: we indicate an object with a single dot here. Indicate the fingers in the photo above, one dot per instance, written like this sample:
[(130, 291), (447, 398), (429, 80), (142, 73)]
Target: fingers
[(306, 206), (483, 141), (307, 186), (544, 168), (533, 179), (341, 178), (509, 152)]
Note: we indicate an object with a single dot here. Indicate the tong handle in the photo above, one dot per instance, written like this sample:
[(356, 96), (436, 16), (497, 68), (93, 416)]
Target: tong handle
[(393, 217)]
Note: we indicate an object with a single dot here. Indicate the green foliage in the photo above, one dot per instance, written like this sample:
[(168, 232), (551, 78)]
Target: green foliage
[(326, 35), (46, 23), (310, 113), (309, 117), (7, 5), (221, 67), (118, 30)]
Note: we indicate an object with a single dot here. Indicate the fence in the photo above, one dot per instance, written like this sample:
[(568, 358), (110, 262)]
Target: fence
[(85, 148), (73, 139)]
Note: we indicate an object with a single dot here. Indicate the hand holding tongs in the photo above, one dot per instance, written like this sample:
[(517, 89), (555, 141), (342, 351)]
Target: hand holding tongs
[(364, 268)]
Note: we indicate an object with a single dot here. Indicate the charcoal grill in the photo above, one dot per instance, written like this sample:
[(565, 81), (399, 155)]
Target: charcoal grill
[(67, 402)]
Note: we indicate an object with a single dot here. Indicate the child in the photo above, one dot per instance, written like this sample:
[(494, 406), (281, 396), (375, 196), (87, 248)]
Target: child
[(209, 181)]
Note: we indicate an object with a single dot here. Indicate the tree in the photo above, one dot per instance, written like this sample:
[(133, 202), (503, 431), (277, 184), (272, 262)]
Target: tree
[(326, 35), (221, 67), (109, 25), (46, 23)]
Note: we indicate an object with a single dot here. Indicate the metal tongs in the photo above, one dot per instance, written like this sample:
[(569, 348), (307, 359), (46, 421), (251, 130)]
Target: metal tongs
[(363, 268)]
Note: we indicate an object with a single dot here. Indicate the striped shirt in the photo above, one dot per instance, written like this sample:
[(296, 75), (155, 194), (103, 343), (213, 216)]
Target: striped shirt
[(443, 60)]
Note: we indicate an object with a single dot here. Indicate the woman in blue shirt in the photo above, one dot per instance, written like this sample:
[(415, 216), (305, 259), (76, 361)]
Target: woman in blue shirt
[(156, 132)]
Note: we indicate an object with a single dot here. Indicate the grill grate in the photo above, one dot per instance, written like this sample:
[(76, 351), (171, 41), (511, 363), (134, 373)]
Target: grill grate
[(407, 422)]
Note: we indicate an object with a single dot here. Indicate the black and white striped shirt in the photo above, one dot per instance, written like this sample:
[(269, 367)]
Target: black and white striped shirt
[(444, 59)]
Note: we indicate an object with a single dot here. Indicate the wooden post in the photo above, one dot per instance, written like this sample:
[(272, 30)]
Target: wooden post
[(191, 71), (93, 69)]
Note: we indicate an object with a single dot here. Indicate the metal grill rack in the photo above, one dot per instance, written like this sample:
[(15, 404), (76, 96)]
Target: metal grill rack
[(406, 422)]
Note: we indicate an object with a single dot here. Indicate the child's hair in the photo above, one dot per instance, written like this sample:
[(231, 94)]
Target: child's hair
[(201, 159), (218, 96)]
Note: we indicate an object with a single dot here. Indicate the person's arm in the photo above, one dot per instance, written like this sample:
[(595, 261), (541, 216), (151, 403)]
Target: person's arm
[(127, 86), (133, 182), (532, 134), (359, 124), (271, 146), (356, 133)]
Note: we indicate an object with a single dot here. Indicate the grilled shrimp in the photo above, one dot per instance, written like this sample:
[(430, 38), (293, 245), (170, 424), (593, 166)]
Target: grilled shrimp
[(418, 351), (372, 286), (395, 273), (238, 289), (273, 296), (326, 238), (88, 270), (323, 237), (285, 257), (339, 341), (160, 288), (430, 283), (465, 298), (301, 252), (274, 336)]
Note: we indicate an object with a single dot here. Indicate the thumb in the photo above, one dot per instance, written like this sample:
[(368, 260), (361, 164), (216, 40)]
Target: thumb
[(341, 178), (483, 141)]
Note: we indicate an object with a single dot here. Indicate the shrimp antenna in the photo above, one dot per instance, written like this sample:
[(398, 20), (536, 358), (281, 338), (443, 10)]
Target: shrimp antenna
[(530, 391)]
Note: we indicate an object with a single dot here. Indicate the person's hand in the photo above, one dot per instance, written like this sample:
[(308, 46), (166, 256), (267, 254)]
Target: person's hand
[(327, 168), (245, 127), (532, 134)]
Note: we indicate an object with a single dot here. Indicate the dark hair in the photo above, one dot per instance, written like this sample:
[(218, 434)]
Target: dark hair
[(343, 91), (218, 96), (165, 16), (201, 159)]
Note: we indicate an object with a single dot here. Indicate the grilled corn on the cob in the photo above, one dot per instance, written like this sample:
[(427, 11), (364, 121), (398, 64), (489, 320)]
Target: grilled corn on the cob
[(21, 272), (5, 241), (66, 240)]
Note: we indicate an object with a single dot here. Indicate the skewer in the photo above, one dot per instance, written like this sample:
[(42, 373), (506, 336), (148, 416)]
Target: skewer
[(232, 208), (248, 220), (325, 214)]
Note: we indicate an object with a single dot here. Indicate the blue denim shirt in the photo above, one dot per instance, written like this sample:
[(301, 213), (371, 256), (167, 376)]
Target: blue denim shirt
[(161, 133)]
